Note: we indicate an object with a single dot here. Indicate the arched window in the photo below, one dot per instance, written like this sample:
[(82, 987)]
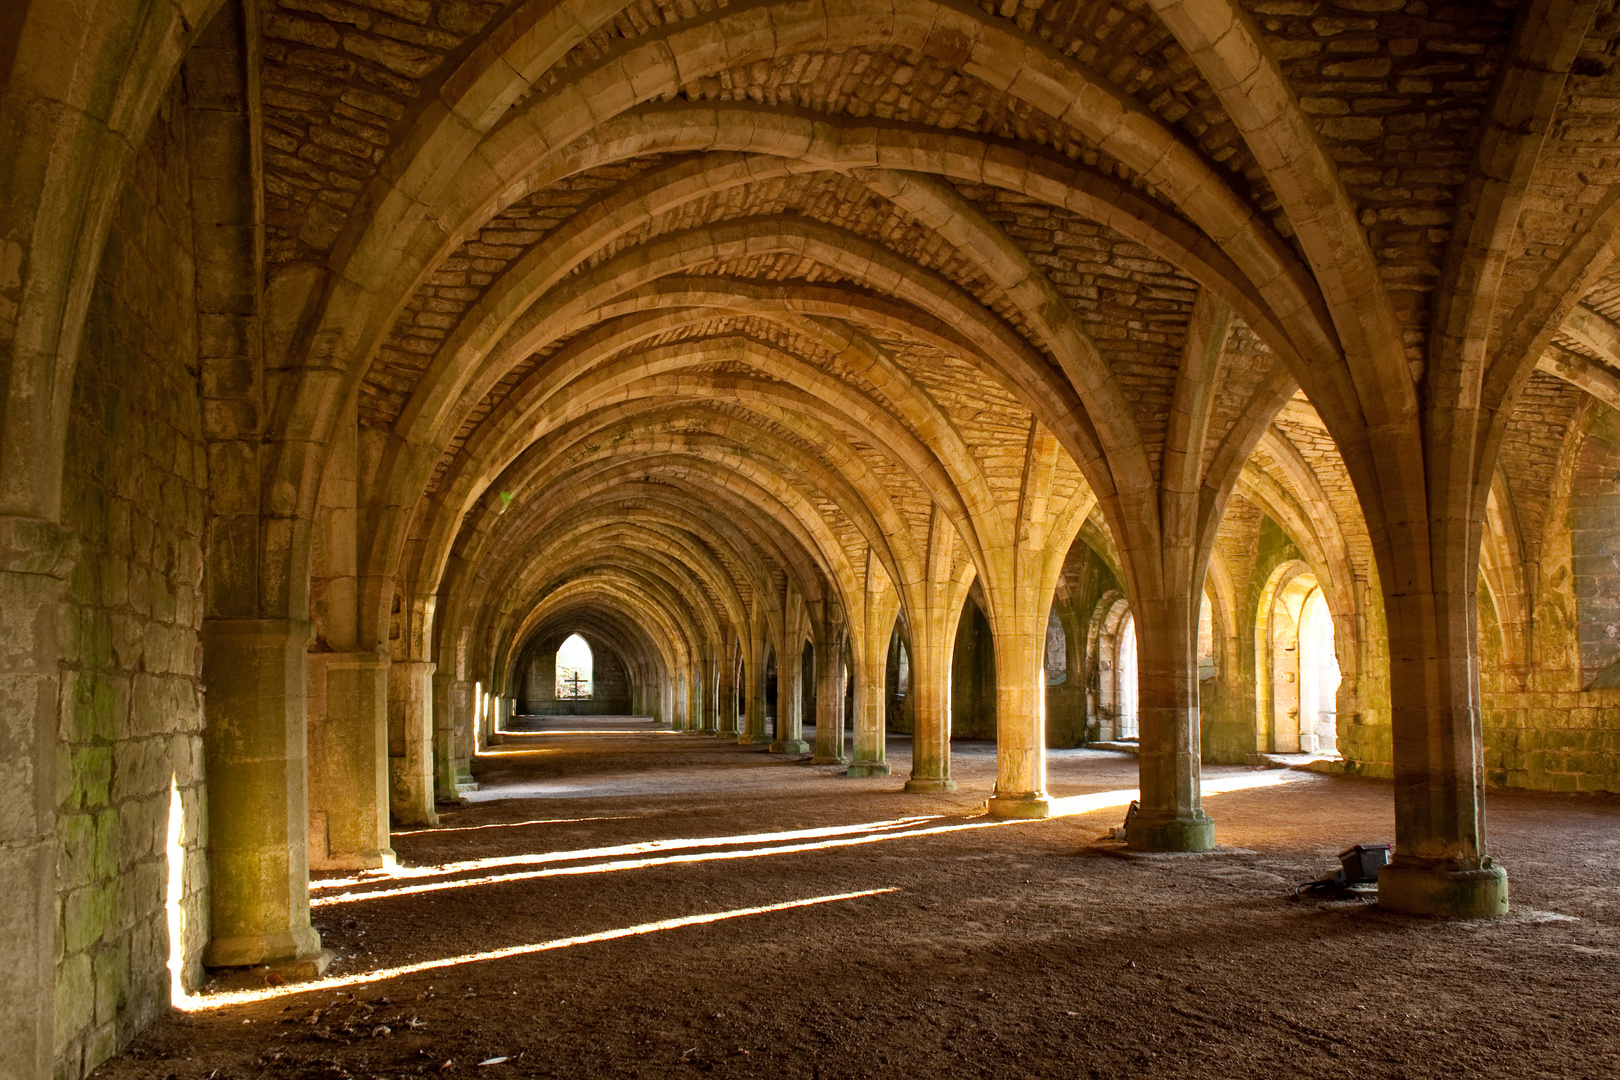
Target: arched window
[(574, 666), (1112, 686), (1125, 665), (1318, 677), (1298, 676)]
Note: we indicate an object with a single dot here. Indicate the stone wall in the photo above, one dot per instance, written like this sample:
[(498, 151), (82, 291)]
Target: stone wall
[(1594, 527), (536, 682), (1554, 725), (131, 706)]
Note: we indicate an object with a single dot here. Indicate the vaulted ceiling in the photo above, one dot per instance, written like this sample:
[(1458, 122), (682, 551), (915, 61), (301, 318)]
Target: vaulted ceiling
[(716, 311)]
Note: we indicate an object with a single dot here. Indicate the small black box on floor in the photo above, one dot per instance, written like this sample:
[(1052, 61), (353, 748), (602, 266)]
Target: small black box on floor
[(1362, 862)]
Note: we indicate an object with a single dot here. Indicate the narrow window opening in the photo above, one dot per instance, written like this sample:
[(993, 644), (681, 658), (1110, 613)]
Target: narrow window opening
[(175, 892), (574, 666), (1126, 675)]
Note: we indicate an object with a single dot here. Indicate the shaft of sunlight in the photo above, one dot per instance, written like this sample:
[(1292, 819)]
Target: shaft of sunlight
[(1071, 805), (538, 858), (509, 825), (200, 1003), (642, 864)]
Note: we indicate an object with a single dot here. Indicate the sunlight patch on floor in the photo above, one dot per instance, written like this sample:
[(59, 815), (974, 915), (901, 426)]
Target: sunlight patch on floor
[(642, 864), (510, 825), (201, 1002), (1072, 805), (642, 847)]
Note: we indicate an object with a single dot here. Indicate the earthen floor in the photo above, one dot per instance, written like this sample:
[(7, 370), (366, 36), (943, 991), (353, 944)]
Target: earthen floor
[(1035, 949)]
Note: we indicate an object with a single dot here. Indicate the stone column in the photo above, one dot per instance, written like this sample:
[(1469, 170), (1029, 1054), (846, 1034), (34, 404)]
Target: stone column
[(1440, 865), (444, 766), (754, 727), (727, 726), (466, 738), (483, 737), (258, 808), (790, 705), (931, 691), (1172, 816), (348, 761), (830, 681), (711, 698), (35, 560), (410, 742), (1020, 723), (867, 759), (694, 698)]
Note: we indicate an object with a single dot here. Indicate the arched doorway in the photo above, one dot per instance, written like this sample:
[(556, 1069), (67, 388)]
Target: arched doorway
[(1297, 681), (1114, 700)]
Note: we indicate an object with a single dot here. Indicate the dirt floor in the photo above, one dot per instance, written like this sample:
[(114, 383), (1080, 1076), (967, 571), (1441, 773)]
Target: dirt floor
[(1009, 950)]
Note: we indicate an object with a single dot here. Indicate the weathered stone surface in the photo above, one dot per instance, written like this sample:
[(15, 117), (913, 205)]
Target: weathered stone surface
[(715, 331)]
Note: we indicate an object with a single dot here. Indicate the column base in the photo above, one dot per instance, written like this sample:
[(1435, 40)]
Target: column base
[(1444, 889), (354, 860), (732, 735), (1170, 834), (921, 786), (790, 746), (300, 946), (1028, 807), (413, 818), (822, 759), (753, 740), (867, 768)]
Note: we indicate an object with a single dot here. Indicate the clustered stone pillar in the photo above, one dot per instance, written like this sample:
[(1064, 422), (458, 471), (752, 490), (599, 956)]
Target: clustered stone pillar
[(466, 738), (727, 727), (1440, 865), (694, 697), (830, 684), (754, 715), (1172, 816), (931, 738), (1020, 724), (711, 698), (348, 760), (256, 746), (868, 757), (444, 769), (410, 742), (790, 706)]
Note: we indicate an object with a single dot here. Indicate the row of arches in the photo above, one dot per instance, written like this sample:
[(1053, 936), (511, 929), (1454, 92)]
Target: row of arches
[(1296, 662), (703, 331)]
